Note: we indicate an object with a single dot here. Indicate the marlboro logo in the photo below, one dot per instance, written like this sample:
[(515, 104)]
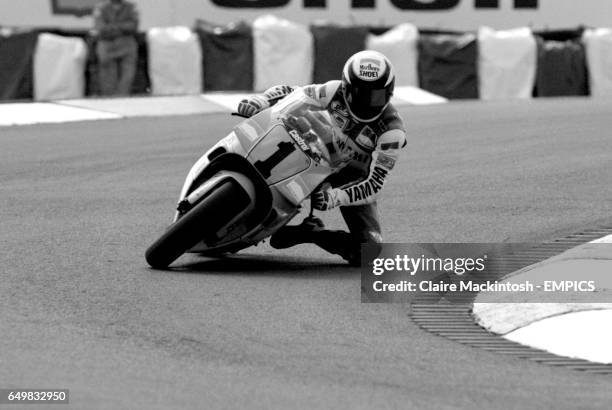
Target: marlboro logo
[(369, 69)]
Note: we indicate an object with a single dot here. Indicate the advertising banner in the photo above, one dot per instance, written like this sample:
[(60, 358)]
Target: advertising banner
[(437, 14)]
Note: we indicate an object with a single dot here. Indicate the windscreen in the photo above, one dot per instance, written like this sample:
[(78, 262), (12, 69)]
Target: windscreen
[(310, 126), (277, 156)]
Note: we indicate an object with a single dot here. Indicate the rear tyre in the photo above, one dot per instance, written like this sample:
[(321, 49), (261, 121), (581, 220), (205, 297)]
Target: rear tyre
[(203, 221)]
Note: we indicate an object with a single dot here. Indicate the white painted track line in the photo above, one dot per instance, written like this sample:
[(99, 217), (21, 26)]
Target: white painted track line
[(37, 113), (584, 335), (577, 330), (155, 106)]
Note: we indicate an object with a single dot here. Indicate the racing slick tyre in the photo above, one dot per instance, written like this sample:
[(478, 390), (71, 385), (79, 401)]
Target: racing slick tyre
[(205, 219)]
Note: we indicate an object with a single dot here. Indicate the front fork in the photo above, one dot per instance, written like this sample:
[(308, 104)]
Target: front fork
[(196, 196)]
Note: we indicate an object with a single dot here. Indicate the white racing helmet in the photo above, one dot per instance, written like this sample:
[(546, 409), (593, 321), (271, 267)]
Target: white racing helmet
[(368, 81)]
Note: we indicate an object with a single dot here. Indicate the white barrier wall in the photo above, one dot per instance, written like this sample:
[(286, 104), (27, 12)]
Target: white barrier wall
[(598, 44), (283, 53), (59, 67), (506, 63), (175, 61), (400, 45)]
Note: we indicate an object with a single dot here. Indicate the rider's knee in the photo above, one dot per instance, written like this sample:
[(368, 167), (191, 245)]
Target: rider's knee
[(373, 237), (372, 241), (370, 236)]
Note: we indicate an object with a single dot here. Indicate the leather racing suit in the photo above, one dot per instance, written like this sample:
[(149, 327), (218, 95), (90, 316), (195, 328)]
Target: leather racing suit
[(371, 149)]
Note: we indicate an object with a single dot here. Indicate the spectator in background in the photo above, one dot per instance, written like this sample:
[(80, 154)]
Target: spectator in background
[(116, 26)]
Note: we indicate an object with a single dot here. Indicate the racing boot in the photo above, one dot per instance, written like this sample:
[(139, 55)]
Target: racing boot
[(289, 236), (312, 230)]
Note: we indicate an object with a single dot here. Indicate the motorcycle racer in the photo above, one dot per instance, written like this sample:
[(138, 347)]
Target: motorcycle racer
[(371, 135)]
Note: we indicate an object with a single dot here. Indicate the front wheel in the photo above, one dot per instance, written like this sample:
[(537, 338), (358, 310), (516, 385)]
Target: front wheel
[(212, 213)]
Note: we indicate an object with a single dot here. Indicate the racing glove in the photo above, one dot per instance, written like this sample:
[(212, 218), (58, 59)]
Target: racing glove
[(251, 106), (327, 198), (277, 92)]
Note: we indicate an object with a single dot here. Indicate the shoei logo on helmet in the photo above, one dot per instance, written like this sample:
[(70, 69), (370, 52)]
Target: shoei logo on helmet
[(370, 69)]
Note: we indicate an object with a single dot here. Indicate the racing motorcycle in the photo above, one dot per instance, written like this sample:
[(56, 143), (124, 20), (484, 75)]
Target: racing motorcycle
[(252, 182)]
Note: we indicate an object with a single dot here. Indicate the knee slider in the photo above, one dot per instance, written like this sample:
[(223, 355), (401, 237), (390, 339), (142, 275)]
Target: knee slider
[(373, 237)]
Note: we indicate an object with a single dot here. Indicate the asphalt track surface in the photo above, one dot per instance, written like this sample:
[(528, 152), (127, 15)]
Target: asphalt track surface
[(79, 204)]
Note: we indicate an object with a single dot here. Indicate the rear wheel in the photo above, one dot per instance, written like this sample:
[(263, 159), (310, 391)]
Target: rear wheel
[(204, 220)]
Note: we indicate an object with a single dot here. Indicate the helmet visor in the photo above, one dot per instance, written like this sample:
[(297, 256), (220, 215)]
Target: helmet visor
[(366, 102)]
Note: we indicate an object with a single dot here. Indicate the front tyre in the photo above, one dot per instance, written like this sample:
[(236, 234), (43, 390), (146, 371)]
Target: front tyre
[(210, 215)]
